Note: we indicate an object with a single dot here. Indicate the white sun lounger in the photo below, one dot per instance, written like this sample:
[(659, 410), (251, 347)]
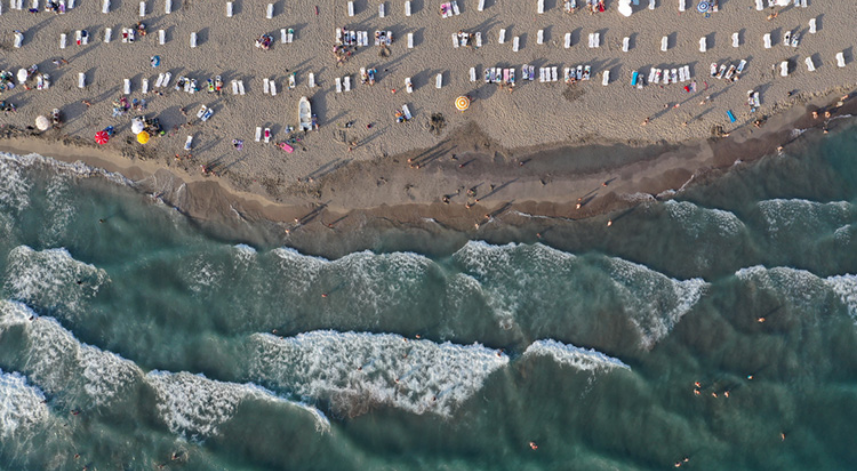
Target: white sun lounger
[(540, 37), (541, 74), (267, 135), (381, 10), (687, 71), (167, 78), (35, 4), (105, 8), (269, 12), (665, 42), (19, 39), (681, 5), (168, 6), (736, 40), (126, 87), (62, 40), (803, 4), (311, 80), (652, 73), (241, 87), (142, 9), (784, 68), (438, 81), (626, 44), (651, 4), (554, 74), (192, 39), (229, 9), (144, 88), (657, 76), (767, 40), (108, 35), (266, 86), (681, 77), (502, 38), (812, 26), (410, 40), (409, 85), (516, 42), (478, 40), (597, 40), (283, 37), (473, 74), (567, 40), (455, 10), (81, 80), (407, 112), (481, 5), (605, 78), (703, 45), (188, 143), (258, 134), (840, 59), (346, 83), (234, 87), (540, 6), (160, 82), (455, 40), (162, 37), (338, 85), (350, 8), (809, 64), (760, 5), (408, 8), (70, 4)]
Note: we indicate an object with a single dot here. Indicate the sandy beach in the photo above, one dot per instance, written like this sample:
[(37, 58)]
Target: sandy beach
[(546, 146)]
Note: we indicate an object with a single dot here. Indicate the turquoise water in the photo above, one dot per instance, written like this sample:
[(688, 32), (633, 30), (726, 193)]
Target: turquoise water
[(129, 342)]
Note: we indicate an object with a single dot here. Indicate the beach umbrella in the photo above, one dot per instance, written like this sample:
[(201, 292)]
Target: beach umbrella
[(22, 75), (137, 126), (462, 103), (42, 123), (101, 137), (143, 137), (156, 61), (702, 7), (625, 7)]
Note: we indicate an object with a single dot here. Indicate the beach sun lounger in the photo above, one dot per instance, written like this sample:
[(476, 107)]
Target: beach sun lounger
[(540, 6), (532, 73), (62, 40), (687, 72), (144, 88), (455, 40), (667, 78), (229, 10), (664, 43), (787, 38), (681, 77), (160, 82), (407, 112), (651, 4), (596, 40), (767, 40), (652, 75), (502, 38), (735, 40), (168, 6), (554, 74), (481, 5), (409, 85), (126, 88), (162, 37), (516, 42), (142, 9), (269, 12), (540, 37), (108, 35), (410, 40), (810, 66), (812, 26), (19, 39), (105, 7), (473, 74), (311, 80), (381, 10), (438, 81), (241, 87), (840, 59), (478, 40), (626, 44), (350, 8), (587, 72), (681, 5), (167, 78), (455, 10), (258, 136), (784, 69), (192, 40), (266, 86), (605, 78), (188, 143), (267, 135), (567, 40), (703, 46), (346, 83), (338, 85), (81, 80), (541, 74), (760, 5), (408, 8)]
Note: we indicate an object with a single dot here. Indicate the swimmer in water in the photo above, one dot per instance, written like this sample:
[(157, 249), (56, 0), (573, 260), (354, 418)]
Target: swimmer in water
[(534, 446)]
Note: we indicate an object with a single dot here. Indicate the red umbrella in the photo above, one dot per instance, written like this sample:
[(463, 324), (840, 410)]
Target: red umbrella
[(101, 137)]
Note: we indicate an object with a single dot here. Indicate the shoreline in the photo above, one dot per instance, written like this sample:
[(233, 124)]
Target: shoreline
[(528, 190)]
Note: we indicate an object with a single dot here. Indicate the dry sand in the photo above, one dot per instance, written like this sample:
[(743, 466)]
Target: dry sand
[(520, 142)]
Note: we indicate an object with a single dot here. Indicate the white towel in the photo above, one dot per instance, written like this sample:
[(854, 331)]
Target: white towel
[(735, 40), (515, 43), (540, 37), (626, 44), (269, 13), (567, 40)]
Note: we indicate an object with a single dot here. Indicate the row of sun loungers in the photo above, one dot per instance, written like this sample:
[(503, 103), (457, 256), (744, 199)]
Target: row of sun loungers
[(678, 74), (449, 9)]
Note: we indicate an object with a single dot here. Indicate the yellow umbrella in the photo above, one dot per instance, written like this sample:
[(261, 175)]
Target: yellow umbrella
[(143, 137), (462, 103)]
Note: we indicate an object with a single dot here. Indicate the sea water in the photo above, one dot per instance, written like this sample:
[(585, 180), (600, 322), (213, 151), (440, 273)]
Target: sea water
[(716, 327)]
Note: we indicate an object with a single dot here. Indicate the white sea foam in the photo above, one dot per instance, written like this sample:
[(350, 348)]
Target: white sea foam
[(14, 186), (21, 405), (784, 216), (195, 406), (78, 168), (49, 278), (845, 286), (697, 221), (356, 371), (575, 357), (59, 211), (799, 288)]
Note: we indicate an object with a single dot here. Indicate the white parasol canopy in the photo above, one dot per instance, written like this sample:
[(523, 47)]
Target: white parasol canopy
[(625, 7), (42, 123), (137, 126)]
